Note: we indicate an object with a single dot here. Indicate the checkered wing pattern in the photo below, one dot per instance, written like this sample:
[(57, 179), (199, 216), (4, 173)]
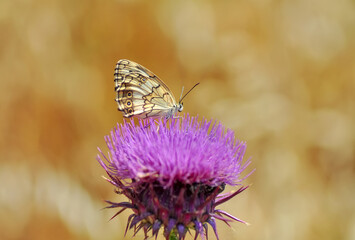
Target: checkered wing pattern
[(141, 93)]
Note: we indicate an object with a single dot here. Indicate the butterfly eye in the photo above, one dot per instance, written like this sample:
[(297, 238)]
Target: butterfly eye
[(181, 107)]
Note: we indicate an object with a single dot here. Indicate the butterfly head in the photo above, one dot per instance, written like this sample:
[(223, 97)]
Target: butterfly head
[(180, 107)]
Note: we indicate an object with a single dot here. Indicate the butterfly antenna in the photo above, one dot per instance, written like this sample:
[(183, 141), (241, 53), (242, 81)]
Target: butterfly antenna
[(181, 98), (182, 91)]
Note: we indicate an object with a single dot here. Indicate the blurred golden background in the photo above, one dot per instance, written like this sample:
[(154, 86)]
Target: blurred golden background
[(281, 74)]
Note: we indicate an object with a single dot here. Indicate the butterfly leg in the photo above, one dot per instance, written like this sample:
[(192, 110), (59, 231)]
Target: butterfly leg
[(149, 124), (156, 121)]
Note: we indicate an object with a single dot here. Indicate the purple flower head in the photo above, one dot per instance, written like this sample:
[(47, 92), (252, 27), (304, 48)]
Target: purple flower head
[(173, 172)]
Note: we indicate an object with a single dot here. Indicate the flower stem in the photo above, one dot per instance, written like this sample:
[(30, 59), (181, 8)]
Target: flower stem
[(173, 236)]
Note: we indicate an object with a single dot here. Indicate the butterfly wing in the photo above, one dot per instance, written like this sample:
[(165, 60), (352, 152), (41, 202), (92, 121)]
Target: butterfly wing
[(141, 93)]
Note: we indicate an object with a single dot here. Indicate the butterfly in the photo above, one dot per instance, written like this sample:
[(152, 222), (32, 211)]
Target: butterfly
[(142, 94)]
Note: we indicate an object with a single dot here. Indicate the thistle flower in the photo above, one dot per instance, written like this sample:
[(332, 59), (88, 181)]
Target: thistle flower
[(173, 173)]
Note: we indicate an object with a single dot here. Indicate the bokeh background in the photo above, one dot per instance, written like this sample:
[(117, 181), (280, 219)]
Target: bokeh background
[(280, 73)]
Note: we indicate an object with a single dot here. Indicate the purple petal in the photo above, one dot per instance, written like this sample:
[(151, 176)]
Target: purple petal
[(156, 227), (185, 150), (231, 216), (212, 222), (181, 230), (229, 196)]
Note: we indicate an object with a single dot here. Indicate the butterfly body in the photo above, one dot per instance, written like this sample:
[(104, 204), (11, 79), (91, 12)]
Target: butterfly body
[(142, 94)]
